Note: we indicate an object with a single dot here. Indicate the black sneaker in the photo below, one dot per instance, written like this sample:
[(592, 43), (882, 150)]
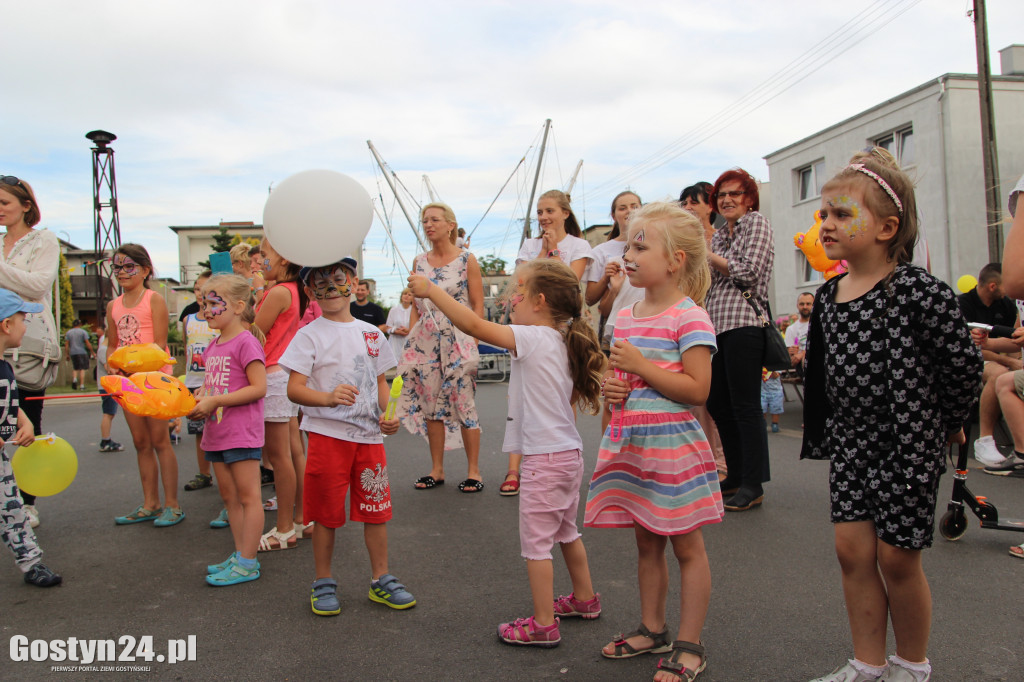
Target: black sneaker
[(40, 576), (266, 477), (200, 481), (74, 385), (110, 446)]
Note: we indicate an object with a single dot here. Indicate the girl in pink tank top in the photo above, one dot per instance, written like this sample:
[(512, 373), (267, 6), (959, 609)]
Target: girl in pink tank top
[(279, 316), (139, 316)]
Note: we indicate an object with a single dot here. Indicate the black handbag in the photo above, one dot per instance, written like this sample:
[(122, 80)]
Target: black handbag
[(775, 356)]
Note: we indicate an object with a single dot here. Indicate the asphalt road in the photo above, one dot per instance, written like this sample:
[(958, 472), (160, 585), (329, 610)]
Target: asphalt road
[(776, 608)]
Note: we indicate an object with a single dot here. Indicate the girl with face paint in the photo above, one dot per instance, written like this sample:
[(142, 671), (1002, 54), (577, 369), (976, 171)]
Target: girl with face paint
[(655, 472), (231, 403), (891, 374), (138, 315)]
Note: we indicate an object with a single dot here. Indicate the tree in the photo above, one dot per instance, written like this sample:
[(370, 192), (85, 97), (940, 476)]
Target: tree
[(222, 241), (251, 241), (492, 265), (67, 312)]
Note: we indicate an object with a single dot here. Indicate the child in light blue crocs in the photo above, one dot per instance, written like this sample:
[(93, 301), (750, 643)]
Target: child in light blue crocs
[(337, 365)]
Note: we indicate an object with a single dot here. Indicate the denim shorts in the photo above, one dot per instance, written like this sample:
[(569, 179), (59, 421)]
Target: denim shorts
[(234, 455), (108, 404)]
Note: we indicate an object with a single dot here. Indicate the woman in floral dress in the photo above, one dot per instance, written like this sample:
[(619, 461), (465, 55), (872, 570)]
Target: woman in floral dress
[(439, 362)]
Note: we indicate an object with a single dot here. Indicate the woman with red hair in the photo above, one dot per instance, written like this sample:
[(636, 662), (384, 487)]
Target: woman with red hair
[(742, 258)]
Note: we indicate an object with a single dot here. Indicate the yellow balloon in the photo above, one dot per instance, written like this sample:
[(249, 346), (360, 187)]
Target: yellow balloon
[(46, 467), (966, 283)]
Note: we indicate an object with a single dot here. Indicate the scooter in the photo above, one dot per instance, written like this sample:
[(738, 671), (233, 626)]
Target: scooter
[(953, 524)]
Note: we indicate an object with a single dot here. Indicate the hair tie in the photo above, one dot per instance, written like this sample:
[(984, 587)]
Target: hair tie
[(881, 183)]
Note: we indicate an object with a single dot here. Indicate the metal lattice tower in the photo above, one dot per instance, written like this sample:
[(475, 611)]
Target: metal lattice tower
[(106, 230)]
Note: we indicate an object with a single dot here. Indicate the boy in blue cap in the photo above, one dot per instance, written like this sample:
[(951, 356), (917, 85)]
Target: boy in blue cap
[(337, 366), (16, 429)]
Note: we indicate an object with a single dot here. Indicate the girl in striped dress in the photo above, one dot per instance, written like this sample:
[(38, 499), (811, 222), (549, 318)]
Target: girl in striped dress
[(655, 472)]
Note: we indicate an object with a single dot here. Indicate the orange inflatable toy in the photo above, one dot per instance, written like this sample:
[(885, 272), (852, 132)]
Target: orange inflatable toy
[(140, 357), (150, 394), (809, 243)]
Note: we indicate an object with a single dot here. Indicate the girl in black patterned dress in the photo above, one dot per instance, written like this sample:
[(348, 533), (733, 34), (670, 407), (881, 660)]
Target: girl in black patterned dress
[(891, 375)]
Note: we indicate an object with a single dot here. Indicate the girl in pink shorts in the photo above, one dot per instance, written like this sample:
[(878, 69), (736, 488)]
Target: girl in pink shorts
[(555, 354)]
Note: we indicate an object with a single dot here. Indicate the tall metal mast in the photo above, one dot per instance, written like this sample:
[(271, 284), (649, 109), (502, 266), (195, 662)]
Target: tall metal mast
[(106, 230), (536, 178), (394, 190)]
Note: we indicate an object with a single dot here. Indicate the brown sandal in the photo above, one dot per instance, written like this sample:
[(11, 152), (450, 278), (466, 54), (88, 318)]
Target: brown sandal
[(511, 484), (673, 666), (659, 643)]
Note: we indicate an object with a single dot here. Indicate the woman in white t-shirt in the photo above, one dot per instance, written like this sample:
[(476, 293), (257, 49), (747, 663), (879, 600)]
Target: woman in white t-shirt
[(560, 234), (398, 322), (607, 283), (560, 239)]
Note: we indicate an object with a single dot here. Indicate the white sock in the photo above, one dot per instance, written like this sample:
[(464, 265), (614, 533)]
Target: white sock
[(924, 668), (867, 668)]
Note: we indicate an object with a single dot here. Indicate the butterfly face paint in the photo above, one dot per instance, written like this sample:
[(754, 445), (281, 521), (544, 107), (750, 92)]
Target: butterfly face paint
[(124, 266), (855, 225), (213, 304), (518, 296), (330, 282)]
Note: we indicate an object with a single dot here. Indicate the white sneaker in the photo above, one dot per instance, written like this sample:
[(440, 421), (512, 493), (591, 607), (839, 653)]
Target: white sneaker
[(898, 673), (32, 514), (848, 673), (986, 452)]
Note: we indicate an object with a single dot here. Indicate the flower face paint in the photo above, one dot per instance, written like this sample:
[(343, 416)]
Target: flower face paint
[(330, 282), (855, 225), (213, 304)]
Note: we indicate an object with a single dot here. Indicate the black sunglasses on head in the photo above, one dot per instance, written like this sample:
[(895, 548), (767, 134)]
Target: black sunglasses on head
[(11, 180)]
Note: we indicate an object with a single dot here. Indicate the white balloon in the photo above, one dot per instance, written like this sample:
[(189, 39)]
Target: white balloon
[(317, 217)]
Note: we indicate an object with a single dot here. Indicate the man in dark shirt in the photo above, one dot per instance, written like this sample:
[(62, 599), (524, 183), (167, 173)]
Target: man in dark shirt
[(986, 303), (366, 310)]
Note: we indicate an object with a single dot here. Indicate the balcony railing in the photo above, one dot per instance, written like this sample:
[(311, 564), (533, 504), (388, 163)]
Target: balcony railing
[(88, 286)]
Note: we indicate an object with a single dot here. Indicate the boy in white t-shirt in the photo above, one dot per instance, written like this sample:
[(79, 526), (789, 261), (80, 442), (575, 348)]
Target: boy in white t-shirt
[(337, 365)]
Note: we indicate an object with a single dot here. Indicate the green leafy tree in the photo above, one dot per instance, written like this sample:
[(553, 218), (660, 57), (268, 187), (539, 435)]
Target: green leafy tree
[(222, 241), (492, 265), (67, 313), (250, 241)]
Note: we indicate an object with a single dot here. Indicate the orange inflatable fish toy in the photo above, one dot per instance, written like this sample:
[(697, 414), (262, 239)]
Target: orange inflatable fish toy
[(139, 357), (810, 244), (150, 394)]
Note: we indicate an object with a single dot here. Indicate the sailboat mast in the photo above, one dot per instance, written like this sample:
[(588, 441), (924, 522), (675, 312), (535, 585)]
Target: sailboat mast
[(430, 188), (572, 180), (394, 190), (536, 178)]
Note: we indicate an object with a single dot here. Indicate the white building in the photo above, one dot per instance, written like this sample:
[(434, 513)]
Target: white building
[(195, 243), (934, 131)]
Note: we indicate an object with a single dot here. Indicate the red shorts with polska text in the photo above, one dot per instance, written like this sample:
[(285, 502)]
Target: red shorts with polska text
[(335, 466)]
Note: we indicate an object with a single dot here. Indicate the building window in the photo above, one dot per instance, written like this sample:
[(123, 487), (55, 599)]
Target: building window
[(901, 145), (804, 266), (809, 180)]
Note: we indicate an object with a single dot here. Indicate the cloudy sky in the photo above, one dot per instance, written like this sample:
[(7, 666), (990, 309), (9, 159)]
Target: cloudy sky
[(214, 102)]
